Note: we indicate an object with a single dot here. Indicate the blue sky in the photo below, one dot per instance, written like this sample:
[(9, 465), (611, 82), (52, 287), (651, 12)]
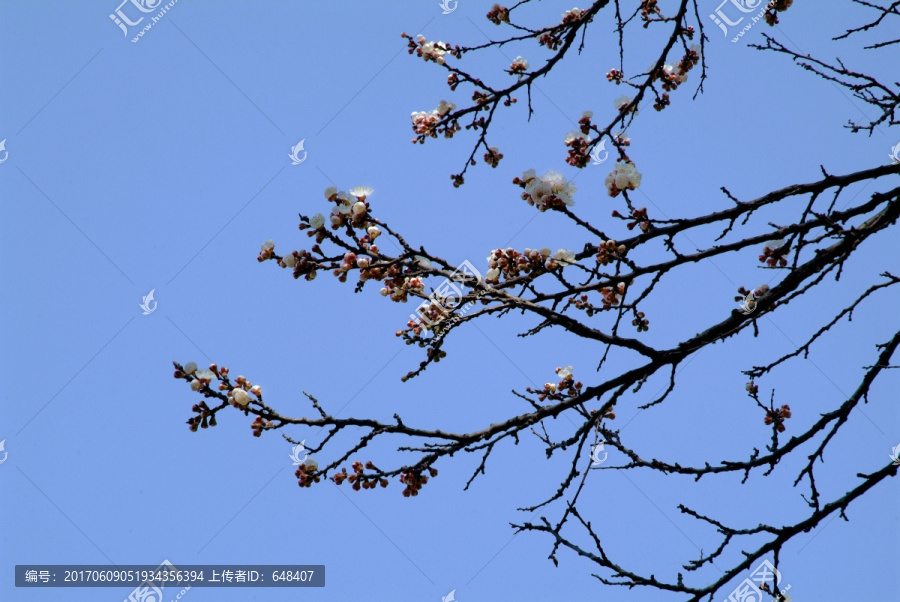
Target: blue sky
[(163, 165)]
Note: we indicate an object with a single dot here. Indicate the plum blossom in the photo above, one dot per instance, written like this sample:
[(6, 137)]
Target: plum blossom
[(190, 367), (624, 176), (361, 192), (317, 221), (674, 73), (564, 255), (571, 15), (519, 65), (549, 190), (425, 122), (373, 232), (331, 192), (564, 372), (431, 51), (561, 258), (575, 135), (289, 261), (623, 101), (444, 107), (240, 397)]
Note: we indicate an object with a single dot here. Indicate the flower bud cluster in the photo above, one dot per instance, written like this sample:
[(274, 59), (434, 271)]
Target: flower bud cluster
[(778, 417), (566, 388), (414, 480), (609, 251), (774, 253), (358, 479), (498, 14), (510, 263), (426, 123)]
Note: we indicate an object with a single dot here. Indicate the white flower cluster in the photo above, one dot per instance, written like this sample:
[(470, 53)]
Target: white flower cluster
[(624, 176), (351, 204), (431, 51), (576, 135), (548, 190), (575, 13), (425, 122)]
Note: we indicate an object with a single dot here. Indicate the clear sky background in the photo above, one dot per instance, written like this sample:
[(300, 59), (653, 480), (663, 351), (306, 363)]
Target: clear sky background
[(163, 165)]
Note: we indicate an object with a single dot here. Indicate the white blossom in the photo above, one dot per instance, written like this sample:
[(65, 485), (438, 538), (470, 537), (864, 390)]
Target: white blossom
[(206, 375), (317, 221), (268, 245), (373, 232), (256, 390), (289, 260), (520, 62), (574, 135), (330, 192), (240, 397), (565, 372), (551, 188), (311, 464), (564, 255), (622, 102), (361, 192), (196, 385), (359, 208), (624, 176), (190, 367), (444, 107), (493, 274), (432, 51)]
